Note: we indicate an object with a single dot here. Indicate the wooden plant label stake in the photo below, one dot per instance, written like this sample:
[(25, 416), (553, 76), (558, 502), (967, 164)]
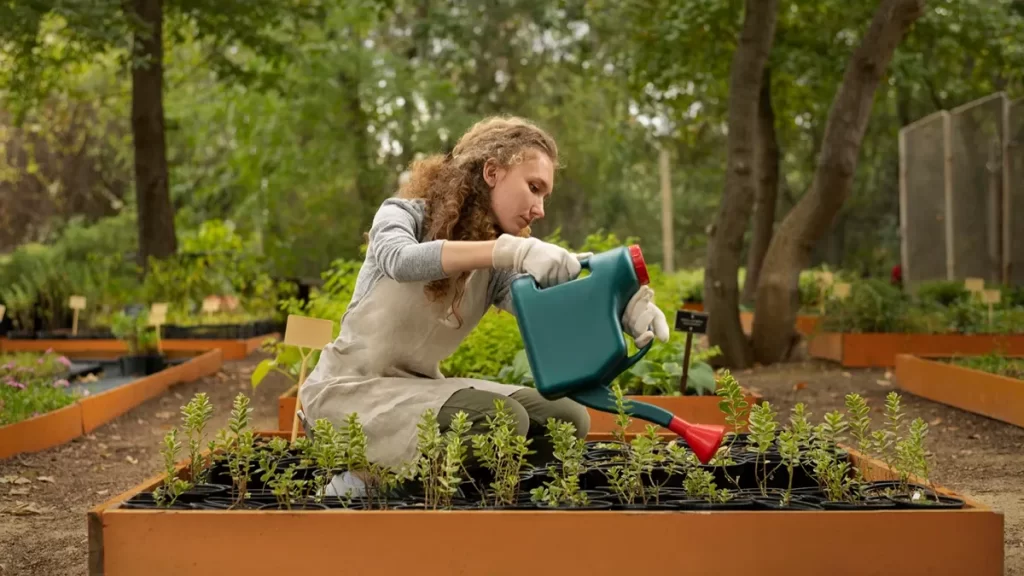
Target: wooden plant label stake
[(991, 297), (841, 290), (76, 303), (157, 318), (211, 304), (307, 334), (690, 322), (974, 285), (3, 310)]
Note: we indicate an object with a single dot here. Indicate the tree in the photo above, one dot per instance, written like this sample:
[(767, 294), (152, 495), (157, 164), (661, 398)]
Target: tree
[(791, 246), (136, 29), (721, 292), (767, 165)]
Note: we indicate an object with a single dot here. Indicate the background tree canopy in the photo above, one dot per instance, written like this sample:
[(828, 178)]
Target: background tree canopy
[(293, 119)]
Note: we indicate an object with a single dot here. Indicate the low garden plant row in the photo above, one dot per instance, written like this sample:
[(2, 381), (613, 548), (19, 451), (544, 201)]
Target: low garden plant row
[(832, 480), (42, 405)]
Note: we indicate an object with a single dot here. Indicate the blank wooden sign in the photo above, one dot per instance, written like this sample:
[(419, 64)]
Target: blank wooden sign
[(211, 304), (3, 310), (974, 284), (158, 314), (76, 302), (991, 296), (826, 278), (841, 290), (306, 332)]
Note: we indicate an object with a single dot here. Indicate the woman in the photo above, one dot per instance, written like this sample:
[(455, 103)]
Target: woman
[(439, 255)]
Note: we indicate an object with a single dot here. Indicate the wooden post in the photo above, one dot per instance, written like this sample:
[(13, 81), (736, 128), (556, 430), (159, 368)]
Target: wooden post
[(667, 238), (157, 318), (991, 297)]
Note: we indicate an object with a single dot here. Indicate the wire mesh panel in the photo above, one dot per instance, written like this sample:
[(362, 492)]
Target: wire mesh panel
[(923, 202), (1015, 193), (977, 144)]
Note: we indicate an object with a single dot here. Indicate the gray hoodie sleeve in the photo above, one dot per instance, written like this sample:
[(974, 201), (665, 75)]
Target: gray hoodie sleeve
[(501, 294), (395, 244)]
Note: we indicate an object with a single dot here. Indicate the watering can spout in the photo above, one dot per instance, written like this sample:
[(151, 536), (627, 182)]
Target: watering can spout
[(703, 439)]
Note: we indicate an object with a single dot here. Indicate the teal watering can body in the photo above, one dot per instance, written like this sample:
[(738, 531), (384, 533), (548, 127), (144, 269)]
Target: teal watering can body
[(574, 339)]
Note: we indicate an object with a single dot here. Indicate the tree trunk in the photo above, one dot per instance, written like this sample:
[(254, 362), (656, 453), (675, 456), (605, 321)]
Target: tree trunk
[(767, 158), (721, 289), (790, 250), (152, 190)]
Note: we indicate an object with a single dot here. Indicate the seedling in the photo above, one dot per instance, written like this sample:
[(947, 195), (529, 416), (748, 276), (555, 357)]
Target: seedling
[(329, 454), (564, 486), (235, 445), (503, 452), (173, 486), (380, 481), (197, 414), (454, 459), (912, 459), (860, 426), (762, 436), (832, 472), (700, 483)]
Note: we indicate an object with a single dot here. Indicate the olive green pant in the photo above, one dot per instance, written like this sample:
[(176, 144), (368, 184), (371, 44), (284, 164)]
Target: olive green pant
[(530, 411)]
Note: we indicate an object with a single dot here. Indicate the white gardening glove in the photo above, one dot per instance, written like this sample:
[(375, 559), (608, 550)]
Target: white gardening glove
[(643, 320), (547, 263)]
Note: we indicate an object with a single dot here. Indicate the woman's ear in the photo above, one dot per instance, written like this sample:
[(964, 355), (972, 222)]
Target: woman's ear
[(491, 172)]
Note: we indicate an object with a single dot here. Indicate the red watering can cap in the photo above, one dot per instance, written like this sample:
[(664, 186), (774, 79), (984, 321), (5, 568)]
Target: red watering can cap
[(639, 265)]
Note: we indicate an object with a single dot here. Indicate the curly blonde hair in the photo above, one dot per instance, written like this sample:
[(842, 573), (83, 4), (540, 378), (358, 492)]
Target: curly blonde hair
[(458, 199)]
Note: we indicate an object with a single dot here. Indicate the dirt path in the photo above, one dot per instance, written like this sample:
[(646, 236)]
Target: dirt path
[(976, 456)]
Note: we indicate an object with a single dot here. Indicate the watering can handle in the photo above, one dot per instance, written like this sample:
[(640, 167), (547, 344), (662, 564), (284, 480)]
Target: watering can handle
[(636, 357)]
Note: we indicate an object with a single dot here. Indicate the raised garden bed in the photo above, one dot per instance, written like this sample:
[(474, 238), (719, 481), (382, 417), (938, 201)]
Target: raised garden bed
[(100, 402), (696, 409), (917, 528), (241, 331), (993, 395), (232, 349), (879, 350)]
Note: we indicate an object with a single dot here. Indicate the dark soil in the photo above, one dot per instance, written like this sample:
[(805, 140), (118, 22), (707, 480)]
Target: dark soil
[(43, 530)]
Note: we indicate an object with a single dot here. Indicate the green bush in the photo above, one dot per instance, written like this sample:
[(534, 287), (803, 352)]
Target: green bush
[(31, 384)]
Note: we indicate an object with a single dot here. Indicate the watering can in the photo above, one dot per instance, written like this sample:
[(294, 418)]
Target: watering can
[(575, 344)]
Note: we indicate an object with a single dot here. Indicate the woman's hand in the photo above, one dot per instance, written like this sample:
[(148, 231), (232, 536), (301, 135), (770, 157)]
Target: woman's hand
[(643, 320), (547, 263)]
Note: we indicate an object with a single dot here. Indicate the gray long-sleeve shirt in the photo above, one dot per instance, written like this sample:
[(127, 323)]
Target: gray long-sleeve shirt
[(397, 250)]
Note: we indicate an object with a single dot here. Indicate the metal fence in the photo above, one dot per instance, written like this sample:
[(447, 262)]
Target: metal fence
[(962, 193)]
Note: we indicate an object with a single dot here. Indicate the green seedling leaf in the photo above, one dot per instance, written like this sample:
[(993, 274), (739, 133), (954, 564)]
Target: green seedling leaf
[(701, 379), (261, 371)]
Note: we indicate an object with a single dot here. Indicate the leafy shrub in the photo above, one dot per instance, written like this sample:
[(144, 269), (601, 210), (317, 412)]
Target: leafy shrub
[(942, 293)]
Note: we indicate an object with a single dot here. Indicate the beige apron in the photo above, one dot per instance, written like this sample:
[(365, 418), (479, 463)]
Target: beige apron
[(384, 366)]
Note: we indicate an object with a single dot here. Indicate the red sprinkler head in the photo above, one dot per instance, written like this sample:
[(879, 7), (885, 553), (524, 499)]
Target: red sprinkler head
[(703, 439)]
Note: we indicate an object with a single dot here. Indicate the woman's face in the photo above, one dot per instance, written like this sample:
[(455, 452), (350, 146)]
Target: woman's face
[(518, 192)]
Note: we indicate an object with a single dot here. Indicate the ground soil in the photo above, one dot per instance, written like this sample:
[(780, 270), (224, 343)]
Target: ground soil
[(976, 456)]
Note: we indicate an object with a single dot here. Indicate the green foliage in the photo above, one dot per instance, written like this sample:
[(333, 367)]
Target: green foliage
[(938, 308), (196, 415), (564, 487), (502, 451), (993, 363), (32, 384), (173, 486), (135, 331)]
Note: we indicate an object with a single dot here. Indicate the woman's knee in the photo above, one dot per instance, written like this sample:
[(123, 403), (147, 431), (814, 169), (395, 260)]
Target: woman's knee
[(564, 409)]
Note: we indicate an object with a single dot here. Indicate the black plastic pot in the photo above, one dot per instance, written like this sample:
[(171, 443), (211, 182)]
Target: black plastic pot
[(218, 503), (796, 502), (734, 504), (294, 507), (201, 492), (146, 501), (142, 364), (865, 504), (927, 502), (591, 505)]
